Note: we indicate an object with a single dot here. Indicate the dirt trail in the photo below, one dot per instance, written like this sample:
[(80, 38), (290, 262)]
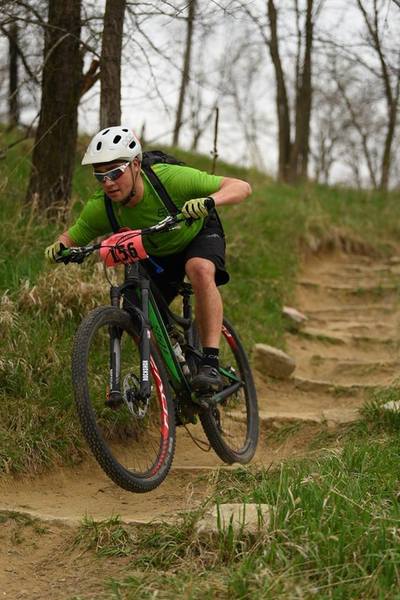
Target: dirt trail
[(348, 347)]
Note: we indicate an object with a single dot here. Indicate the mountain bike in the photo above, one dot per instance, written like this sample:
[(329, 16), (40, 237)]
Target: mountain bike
[(132, 365)]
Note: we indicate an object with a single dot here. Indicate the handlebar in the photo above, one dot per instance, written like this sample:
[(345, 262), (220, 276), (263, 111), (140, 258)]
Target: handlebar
[(79, 253)]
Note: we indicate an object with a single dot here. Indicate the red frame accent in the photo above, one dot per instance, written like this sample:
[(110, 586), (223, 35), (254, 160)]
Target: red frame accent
[(229, 338), (164, 415)]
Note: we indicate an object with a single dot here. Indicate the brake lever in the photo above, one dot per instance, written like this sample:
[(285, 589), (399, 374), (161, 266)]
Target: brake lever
[(72, 255)]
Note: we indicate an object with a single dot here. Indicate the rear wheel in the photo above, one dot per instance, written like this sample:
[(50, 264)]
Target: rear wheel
[(232, 426), (133, 439)]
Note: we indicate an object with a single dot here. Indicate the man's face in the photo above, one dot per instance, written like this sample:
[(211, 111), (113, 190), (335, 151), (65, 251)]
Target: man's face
[(118, 180)]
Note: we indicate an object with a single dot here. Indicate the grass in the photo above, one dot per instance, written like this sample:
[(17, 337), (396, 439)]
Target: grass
[(106, 538)]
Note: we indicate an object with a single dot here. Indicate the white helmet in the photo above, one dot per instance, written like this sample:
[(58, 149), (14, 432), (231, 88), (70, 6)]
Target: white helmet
[(113, 143)]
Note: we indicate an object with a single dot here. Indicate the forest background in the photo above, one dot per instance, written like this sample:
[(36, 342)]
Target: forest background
[(302, 88)]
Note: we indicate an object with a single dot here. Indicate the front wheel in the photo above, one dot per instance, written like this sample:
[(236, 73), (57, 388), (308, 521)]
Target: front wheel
[(133, 438), (232, 426)]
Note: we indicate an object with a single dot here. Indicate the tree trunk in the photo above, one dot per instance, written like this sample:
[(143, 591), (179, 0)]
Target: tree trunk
[(391, 94), (185, 71), (110, 64), (282, 103), (387, 152), (300, 150), (55, 143), (13, 100), (392, 102)]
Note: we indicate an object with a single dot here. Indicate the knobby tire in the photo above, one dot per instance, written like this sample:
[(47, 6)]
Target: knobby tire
[(116, 437), (232, 427)]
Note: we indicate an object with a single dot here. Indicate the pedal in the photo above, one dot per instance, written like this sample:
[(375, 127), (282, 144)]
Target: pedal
[(205, 402)]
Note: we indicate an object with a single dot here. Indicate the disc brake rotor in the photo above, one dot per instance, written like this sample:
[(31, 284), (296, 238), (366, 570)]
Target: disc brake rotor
[(136, 405)]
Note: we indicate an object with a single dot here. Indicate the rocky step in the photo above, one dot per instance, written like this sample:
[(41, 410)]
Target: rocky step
[(345, 389), (329, 337), (287, 403), (307, 395), (342, 370), (322, 335), (355, 366), (359, 327), (377, 268), (334, 319), (305, 348), (353, 310), (331, 416), (363, 288), (353, 279), (335, 386), (387, 266), (314, 298)]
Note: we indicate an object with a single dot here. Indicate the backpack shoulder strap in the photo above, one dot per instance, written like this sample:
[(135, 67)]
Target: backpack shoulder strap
[(160, 189), (152, 157), (111, 214)]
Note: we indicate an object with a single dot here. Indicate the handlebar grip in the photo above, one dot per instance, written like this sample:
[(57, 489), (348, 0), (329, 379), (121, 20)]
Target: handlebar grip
[(70, 255), (209, 203), (64, 256)]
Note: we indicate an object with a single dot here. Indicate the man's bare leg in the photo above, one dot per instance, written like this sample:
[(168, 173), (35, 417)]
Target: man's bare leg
[(209, 310), (209, 313)]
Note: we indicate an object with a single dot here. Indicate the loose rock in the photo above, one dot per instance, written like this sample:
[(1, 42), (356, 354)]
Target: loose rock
[(393, 406), (272, 361), (243, 518), (294, 318)]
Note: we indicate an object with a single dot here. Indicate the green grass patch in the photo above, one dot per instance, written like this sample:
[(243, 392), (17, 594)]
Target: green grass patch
[(106, 538)]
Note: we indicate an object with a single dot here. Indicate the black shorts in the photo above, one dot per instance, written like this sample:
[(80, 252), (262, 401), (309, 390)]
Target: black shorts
[(209, 243)]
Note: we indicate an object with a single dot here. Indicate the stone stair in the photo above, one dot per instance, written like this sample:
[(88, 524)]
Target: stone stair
[(348, 347)]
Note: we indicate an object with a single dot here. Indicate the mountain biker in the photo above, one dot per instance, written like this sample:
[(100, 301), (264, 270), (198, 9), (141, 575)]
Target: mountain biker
[(197, 250)]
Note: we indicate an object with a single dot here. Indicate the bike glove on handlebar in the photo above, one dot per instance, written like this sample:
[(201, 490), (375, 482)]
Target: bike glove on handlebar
[(198, 208), (53, 251)]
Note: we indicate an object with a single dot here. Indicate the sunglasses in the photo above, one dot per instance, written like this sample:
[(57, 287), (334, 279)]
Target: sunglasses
[(113, 174)]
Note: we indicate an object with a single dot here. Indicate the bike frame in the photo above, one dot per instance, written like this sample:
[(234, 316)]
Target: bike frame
[(143, 307)]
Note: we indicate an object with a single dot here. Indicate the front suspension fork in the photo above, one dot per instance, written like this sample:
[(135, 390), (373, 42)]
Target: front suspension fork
[(145, 386), (115, 394)]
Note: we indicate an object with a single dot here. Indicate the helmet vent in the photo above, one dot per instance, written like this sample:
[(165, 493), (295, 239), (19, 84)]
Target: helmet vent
[(99, 145), (105, 132), (132, 144), (125, 129), (116, 139)]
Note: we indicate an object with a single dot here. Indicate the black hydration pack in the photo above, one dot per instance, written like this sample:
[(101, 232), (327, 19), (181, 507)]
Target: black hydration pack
[(150, 158)]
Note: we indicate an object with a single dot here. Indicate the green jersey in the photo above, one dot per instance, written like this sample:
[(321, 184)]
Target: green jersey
[(182, 183)]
